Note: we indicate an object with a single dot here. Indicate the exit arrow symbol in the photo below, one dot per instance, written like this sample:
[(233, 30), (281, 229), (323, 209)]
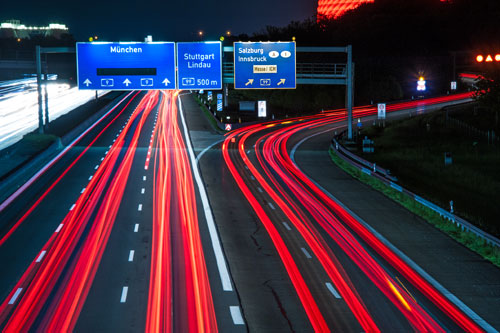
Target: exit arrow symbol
[(87, 82), (250, 81), (282, 81), (166, 82), (127, 82)]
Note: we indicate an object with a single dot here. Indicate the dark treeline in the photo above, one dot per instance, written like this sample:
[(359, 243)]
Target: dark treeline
[(396, 41)]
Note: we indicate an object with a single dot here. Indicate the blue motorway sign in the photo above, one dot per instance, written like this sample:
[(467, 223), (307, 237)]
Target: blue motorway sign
[(264, 65), (219, 102), (199, 65), (126, 66)]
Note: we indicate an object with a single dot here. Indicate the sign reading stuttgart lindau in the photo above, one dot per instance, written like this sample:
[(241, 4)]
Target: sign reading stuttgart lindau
[(199, 65), (264, 65)]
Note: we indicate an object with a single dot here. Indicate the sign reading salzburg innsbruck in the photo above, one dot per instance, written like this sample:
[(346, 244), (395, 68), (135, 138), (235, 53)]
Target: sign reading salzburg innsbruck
[(199, 65), (126, 66), (264, 65)]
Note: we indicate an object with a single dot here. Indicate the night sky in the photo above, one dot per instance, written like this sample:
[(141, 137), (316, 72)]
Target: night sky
[(165, 20)]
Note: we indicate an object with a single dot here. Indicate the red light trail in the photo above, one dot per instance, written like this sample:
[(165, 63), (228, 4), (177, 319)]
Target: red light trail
[(176, 235), (309, 200)]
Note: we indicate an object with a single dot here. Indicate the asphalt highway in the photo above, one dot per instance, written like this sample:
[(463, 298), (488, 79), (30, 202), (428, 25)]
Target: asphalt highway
[(112, 237), (151, 221)]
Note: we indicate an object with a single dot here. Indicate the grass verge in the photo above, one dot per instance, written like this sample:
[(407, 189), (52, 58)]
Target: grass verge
[(209, 115), (468, 239)]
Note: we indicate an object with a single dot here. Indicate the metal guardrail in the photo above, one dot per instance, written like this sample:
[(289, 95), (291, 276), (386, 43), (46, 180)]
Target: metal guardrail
[(381, 174)]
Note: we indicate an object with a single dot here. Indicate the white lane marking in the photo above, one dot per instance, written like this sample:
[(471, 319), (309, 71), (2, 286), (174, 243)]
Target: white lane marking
[(144, 178), (83, 190), (123, 299), (136, 227), (287, 226), (90, 178), (214, 237), (271, 205), (306, 253), (248, 151), (96, 167), (332, 290), (21, 189), (16, 294), (102, 159), (246, 167), (131, 255), (142, 190), (40, 257), (110, 146), (236, 315), (117, 134), (59, 227), (72, 207), (139, 208), (106, 153), (253, 178), (260, 190)]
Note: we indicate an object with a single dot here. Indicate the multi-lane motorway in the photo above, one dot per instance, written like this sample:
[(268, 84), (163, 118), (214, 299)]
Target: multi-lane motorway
[(149, 221)]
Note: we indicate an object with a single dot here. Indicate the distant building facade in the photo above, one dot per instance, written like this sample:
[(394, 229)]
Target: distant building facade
[(14, 29)]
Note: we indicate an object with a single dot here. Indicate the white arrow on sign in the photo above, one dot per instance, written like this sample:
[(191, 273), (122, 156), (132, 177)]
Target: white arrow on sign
[(127, 82), (166, 82), (87, 82)]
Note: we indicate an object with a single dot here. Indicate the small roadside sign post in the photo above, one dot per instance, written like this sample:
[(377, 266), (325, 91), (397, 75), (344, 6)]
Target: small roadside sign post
[(381, 108), (453, 85), (261, 109), (228, 127), (209, 96), (219, 102)]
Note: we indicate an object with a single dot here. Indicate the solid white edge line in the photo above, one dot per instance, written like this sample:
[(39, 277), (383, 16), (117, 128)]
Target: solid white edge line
[(16, 294), (136, 227), (236, 315), (214, 237), (332, 290), (131, 255), (40, 257), (451, 297), (123, 299), (200, 155), (306, 253), (17, 193)]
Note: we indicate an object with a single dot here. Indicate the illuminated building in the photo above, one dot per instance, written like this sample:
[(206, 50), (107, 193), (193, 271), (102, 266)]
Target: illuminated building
[(335, 8), (14, 29)]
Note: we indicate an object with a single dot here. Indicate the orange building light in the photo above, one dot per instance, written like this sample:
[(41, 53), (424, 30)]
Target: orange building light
[(479, 58)]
